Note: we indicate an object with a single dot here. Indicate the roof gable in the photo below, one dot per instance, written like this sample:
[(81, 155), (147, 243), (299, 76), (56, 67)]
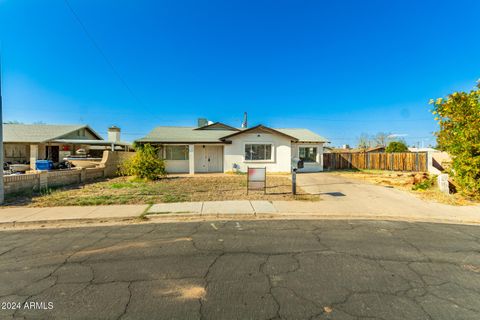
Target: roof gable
[(217, 126), (262, 129)]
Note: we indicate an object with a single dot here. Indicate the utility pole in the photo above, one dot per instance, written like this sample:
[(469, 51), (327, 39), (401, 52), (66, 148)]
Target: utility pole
[(2, 195)]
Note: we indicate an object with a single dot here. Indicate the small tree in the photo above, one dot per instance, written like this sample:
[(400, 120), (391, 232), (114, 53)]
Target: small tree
[(145, 164), (396, 146), (459, 118)]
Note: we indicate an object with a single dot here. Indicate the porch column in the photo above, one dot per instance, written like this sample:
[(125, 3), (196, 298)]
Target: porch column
[(33, 155), (191, 158)]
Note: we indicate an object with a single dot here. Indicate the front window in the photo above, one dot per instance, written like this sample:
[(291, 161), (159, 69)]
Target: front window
[(176, 152), (258, 152), (308, 154)]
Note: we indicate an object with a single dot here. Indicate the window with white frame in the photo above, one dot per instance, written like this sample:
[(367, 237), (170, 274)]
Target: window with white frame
[(176, 153), (308, 154), (258, 152)]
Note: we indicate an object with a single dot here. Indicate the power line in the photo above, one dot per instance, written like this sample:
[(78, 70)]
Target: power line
[(148, 116), (107, 60)]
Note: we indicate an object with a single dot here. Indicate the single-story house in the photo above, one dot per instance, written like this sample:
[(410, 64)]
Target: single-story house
[(27, 143), (217, 147)]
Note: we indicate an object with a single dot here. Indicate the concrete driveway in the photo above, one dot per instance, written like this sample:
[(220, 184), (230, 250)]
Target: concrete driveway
[(341, 195)]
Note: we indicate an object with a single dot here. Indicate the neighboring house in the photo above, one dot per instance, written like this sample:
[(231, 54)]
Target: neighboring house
[(26, 143), (218, 147), (414, 149)]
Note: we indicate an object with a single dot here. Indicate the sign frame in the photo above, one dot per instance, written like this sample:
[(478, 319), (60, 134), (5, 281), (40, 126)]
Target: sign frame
[(257, 178)]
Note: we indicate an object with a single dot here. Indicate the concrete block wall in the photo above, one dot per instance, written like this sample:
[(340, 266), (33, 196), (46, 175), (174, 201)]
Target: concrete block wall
[(18, 183), (112, 161), (95, 173), (36, 181), (63, 178)]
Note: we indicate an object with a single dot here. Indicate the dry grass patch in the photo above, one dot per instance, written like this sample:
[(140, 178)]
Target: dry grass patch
[(125, 190), (406, 181)]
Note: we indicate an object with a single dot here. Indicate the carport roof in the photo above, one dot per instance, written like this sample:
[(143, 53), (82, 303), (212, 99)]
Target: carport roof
[(39, 133)]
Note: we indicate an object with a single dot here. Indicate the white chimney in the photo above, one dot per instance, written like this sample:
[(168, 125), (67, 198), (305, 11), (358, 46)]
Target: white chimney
[(114, 134)]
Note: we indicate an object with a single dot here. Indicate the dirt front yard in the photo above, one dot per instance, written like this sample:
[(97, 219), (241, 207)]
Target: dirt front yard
[(125, 190)]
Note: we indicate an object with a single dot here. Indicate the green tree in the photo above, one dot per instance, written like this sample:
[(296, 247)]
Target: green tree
[(145, 164), (397, 146), (458, 116)]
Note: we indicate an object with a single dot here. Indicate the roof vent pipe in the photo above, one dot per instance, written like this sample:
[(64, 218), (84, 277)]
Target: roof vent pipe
[(244, 123)]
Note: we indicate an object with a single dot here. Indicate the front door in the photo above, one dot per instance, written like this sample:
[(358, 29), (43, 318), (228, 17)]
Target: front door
[(52, 153), (208, 158), (214, 158)]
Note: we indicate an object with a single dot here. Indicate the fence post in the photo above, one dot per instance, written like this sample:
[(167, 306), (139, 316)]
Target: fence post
[(417, 162), (43, 180), (83, 175)]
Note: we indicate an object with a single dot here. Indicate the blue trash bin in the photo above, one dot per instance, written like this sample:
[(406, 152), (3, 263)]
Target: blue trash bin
[(44, 165)]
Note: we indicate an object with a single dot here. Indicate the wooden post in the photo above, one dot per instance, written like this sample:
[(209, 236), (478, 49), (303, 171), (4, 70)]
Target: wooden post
[(294, 181), (417, 162)]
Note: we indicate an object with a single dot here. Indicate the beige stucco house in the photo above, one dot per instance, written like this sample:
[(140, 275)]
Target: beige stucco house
[(26, 143), (218, 147)]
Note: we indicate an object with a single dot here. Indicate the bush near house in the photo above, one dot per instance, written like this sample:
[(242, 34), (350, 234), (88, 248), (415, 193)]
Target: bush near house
[(396, 146), (145, 164), (459, 118)]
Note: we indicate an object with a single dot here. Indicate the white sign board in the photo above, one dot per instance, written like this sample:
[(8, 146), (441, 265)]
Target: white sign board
[(256, 179)]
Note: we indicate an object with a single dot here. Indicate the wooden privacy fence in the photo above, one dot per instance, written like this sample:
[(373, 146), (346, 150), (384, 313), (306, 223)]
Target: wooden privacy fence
[(404, 161)]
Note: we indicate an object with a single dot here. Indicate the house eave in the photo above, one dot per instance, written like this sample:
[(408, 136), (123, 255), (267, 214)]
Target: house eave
[(183, 142)]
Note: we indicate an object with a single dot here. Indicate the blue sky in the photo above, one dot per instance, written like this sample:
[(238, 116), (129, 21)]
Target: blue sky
[(339, 68)]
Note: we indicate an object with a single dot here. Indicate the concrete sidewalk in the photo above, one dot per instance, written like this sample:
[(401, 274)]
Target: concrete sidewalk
[(429, 212), (30, 215), (245, 209)]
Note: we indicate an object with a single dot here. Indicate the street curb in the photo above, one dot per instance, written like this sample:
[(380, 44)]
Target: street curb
[(195, 217), (66, 222), (171, 217)]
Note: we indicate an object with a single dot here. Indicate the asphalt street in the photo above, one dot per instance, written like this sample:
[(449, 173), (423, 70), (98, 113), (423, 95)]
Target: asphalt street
[(243, 270)]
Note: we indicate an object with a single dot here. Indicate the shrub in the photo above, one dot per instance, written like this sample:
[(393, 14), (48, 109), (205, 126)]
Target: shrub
[(425, 184), (145, 164), (396, 146), (459, 118)]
